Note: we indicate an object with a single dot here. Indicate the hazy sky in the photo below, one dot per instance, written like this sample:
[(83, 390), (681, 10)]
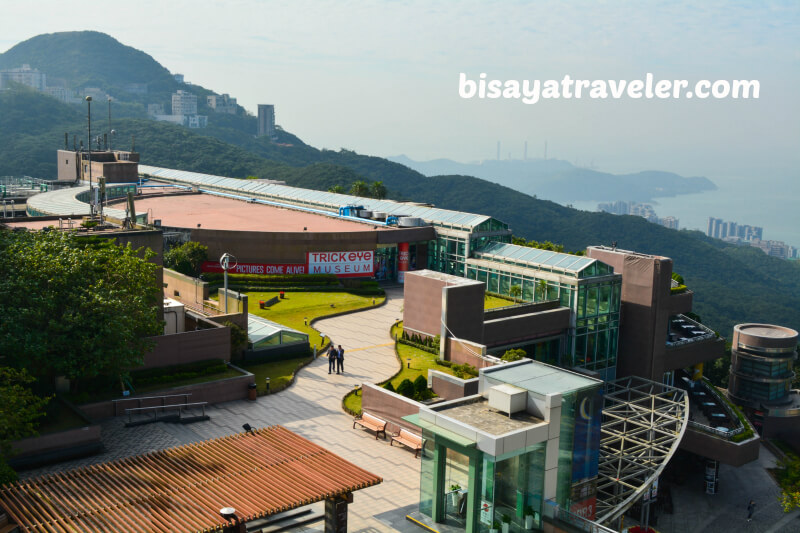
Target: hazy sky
[(382, 77)]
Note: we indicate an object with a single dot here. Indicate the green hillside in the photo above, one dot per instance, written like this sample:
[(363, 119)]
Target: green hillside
[(731, 284)]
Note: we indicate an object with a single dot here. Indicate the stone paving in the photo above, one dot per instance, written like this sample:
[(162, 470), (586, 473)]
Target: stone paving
[(312, 408)]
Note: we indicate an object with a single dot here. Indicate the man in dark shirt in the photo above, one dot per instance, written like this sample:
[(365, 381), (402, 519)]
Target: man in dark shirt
[(340, 360)]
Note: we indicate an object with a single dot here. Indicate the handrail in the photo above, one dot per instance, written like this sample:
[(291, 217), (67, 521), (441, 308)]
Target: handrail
[(170, 406), (152, 397)]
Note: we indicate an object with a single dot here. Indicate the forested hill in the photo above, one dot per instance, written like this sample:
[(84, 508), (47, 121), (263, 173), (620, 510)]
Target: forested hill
[(731, 284)]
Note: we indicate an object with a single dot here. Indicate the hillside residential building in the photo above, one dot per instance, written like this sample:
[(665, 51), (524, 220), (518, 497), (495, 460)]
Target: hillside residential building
[(24, 75), (184, 103), (222, 103), (266, 120)]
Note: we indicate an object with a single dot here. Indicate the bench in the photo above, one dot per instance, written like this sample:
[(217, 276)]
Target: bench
[(409, 439), (371, 422)]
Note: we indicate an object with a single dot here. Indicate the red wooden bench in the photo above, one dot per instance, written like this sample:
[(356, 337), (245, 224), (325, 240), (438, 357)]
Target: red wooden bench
[(409, 439), (371, 422)]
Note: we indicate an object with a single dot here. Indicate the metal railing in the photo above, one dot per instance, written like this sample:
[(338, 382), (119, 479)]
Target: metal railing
[(725, 407), (708, 334), (163, 399), (161, 408)]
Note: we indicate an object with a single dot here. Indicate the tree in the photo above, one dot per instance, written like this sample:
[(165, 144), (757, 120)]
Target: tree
[(515, 291), (18, 414), (377, 190), (359, 188), (187, 258), (75, 307), (338, 189), (541, 289)]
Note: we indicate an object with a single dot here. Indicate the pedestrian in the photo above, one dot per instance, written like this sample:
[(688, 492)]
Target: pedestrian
[(333, 355), (340, 360), (751, 507)]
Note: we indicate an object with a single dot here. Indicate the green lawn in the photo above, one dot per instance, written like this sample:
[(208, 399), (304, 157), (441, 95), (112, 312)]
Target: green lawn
[(492, 302), (421, 362), (296, 307), (279, 372)]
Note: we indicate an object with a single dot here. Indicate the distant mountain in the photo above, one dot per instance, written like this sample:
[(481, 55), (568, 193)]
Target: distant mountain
[(731, 284), (79, 59), (562, 182)]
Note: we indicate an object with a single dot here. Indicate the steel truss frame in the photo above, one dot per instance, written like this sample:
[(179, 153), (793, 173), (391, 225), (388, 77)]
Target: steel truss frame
[(643, 424)]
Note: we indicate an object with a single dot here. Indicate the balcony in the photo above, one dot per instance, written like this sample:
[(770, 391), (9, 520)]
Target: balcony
[(689, 343), (715, 430)]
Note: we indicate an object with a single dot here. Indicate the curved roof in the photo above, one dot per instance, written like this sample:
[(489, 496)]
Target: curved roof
[(322, 199), (65, 202)]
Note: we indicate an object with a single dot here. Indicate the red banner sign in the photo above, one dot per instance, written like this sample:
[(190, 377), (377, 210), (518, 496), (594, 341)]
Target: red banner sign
[(257, 268)]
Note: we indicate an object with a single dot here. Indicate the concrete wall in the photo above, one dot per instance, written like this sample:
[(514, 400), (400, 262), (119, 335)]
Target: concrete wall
[(224, 390), (645, 310), (422, 304), (519, 309), (786, 428), (464, 313), (529, 326), (288, 247), (188, 347), (681, 303), (61, 445), (693, 353), (185, 289), (450, 387), (389, 406), (460, 352)]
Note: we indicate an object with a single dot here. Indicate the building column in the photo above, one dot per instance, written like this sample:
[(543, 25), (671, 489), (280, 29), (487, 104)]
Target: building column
[(336, 513), (473, 491), (439, 463), (403, 261)]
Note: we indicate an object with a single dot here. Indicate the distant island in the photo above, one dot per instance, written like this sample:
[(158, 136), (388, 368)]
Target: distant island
[(562, 182)]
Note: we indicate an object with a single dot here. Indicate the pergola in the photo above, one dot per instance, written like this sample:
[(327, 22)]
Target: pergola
[(643, 424), (183, 489)]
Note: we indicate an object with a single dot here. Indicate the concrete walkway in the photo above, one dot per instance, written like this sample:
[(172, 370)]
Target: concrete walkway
[(312, 408)]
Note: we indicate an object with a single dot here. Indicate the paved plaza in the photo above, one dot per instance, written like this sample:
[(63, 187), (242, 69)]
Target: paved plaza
[(312, 408)]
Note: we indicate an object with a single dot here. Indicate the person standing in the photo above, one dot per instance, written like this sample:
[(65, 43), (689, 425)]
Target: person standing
[(333, 355), (751, 507), (340, 360)]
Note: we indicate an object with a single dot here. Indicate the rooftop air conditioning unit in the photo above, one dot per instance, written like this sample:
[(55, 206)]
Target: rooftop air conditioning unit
[(379, 215), (409, 222), (508, 398)]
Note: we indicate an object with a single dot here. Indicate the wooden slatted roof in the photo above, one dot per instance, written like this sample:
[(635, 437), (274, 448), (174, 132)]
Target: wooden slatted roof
[(182, 489)]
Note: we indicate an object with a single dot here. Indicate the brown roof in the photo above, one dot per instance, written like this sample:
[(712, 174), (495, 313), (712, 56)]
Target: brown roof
[(184, 488)]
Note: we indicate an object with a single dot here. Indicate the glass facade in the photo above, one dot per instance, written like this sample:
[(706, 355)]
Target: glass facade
[(448, 254), (595, 300)]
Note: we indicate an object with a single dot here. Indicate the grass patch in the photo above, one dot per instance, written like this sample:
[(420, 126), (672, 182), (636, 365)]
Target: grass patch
[(279, 372), (298, 306), (493, 302), (421, 362)]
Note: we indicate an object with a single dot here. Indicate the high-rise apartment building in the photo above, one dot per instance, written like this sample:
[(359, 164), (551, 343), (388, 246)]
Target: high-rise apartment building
[(266, 120), (184, 103), (24, 75), (222, 103)]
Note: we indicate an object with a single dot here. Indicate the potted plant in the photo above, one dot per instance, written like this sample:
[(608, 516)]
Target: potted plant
[(506, 523), (529, 516), (495, 527), (453, 494)]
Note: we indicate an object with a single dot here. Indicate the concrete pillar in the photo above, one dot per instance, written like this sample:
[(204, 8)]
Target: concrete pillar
[(336, 513), (403, 261)]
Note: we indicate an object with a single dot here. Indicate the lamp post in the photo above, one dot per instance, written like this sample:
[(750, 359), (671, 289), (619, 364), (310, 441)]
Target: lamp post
[(89, 139), (109, 118), (227, 262)]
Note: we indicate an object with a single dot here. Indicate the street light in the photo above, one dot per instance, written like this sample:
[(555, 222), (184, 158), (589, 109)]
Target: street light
[(89, 139)]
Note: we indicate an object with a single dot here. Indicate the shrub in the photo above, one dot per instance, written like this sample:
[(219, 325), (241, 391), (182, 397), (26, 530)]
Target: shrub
[(514, 355), (465, 371), (7, 474), (406, 388), (388, 386)]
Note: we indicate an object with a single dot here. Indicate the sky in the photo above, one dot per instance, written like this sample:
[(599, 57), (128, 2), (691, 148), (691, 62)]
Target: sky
[(382, 78)]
